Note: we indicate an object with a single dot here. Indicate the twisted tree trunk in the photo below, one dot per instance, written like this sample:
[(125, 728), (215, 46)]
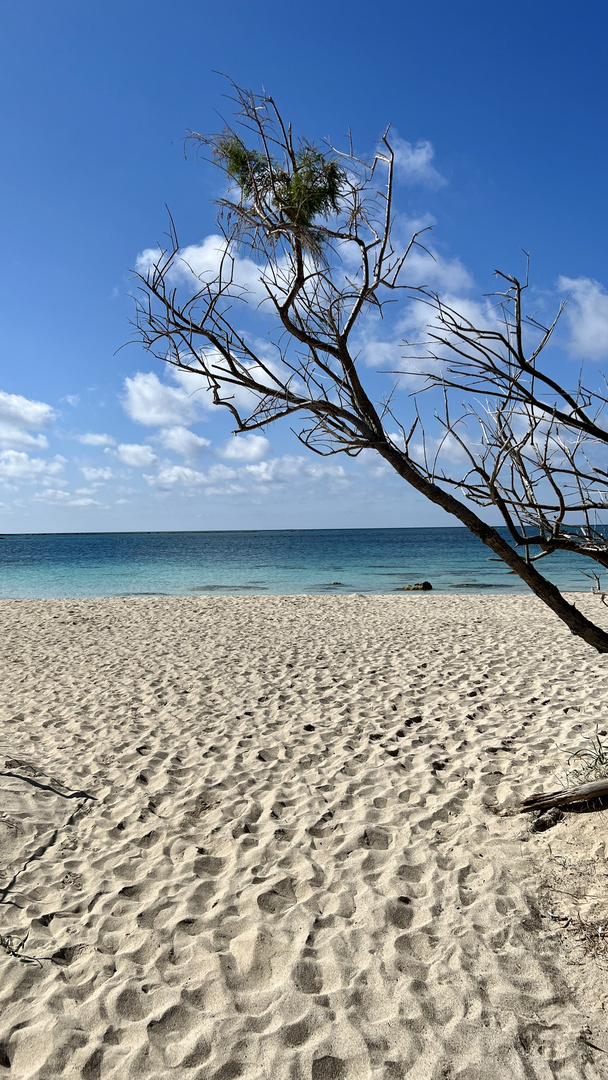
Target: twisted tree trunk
[(550, 595)]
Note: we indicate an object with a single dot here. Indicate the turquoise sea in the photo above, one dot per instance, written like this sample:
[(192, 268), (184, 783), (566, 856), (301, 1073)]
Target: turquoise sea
[(313, 561)]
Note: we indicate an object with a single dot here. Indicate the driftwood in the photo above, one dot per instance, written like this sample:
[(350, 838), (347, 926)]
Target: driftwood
[(548, 820), (582, 793)]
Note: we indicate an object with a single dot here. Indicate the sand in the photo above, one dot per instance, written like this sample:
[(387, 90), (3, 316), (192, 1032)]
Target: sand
[(271, 838)]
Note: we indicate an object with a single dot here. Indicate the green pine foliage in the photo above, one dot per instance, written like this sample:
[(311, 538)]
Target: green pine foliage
[(310, 188), (249, 168)]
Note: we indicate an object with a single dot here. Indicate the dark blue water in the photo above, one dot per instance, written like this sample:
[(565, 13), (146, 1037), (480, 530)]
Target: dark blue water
[(319, 561)]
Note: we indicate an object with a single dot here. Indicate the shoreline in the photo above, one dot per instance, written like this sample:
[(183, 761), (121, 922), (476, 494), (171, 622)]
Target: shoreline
[(462, 592), (272, 836)]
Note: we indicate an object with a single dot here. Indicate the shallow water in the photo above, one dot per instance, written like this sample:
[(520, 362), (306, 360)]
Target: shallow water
[(314, 561)]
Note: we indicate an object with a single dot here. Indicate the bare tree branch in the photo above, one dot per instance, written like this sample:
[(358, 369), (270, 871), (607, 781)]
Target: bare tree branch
[(532, 449)]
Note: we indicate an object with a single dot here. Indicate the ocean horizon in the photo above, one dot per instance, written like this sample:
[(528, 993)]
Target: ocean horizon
[(271, 562)]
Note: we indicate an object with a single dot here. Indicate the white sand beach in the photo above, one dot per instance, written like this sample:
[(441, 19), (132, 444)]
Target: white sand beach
[(269, 838)]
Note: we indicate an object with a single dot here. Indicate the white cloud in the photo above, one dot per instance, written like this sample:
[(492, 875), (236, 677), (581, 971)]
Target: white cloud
[(53, 495), (169, 476), (182, 476), (19, 416), (220, 472), (413, 164), (53, 479), (63, 498), (13, 437), (96, 440), (407, 357), (201, 262), (444, 451), (96, 476), (288, 469), (435, 271), (72, 399), (153, 403), (228, 489), (183, 442), (135, 454), (17, 465), (242, 398), (586, 316), (265, 475), (245, 400), (190, 381), (246, 448)]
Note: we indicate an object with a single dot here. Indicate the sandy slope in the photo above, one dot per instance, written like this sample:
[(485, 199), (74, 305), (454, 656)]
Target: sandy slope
[(259, 837)]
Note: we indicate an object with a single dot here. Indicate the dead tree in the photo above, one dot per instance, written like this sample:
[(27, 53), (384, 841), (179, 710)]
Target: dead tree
[(297, 210)]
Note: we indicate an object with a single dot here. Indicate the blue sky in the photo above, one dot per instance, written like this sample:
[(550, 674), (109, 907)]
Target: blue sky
[(504, 106)]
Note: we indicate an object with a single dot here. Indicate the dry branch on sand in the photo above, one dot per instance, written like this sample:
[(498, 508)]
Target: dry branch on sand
[(581, 794)]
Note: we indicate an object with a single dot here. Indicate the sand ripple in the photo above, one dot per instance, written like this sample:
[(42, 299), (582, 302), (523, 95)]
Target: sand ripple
[(259, 838)]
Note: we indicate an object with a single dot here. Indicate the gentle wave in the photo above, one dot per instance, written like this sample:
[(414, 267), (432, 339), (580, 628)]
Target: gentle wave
[(226, 588)]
